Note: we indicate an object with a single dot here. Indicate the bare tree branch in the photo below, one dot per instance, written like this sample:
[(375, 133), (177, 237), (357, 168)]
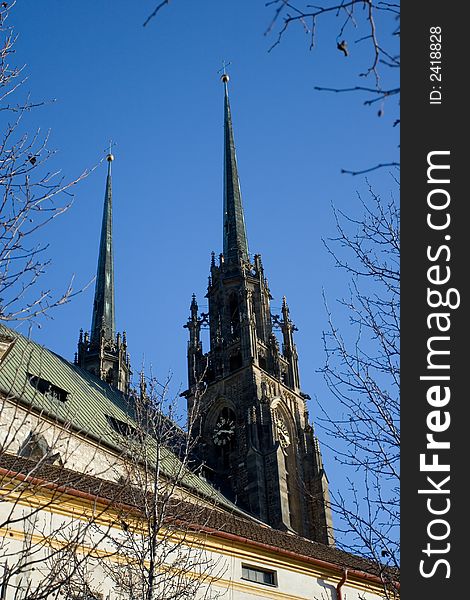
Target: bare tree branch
[(362, 373), (154, 13), (31, 197), (374, 168)]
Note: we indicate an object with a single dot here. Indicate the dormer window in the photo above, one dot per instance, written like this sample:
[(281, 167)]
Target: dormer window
[(234, 313), (48, 389), (121, 427)]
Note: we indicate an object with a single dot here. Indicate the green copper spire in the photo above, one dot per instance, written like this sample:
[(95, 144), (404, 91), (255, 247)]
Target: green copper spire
[(235, 242), (103, 307)]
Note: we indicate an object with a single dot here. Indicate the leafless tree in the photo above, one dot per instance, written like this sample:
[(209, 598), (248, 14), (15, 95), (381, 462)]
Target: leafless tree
[(160, 540), (35, 448), (137, 525), (362, 373), (31, 196), (373, 23), (353, 18), (35, 536), (362, 356)]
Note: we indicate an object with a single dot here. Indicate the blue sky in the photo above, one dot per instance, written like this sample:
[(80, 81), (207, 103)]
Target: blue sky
[(156, 93)]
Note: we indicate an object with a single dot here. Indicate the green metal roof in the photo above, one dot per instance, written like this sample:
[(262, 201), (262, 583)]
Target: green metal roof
[(89, 405)]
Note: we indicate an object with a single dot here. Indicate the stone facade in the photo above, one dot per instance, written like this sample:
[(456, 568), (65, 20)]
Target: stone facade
[(256, 441)]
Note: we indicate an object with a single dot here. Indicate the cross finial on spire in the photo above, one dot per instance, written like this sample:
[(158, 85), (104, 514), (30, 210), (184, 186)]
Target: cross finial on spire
[(110, 156), (224, 77)]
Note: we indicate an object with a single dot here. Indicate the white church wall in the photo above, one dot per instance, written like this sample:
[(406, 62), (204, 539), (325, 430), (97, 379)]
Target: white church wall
[(74, 451), (43, 536)]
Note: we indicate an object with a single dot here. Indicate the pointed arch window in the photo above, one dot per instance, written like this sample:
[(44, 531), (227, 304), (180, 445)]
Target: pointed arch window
[(235, 361), (234, 312)]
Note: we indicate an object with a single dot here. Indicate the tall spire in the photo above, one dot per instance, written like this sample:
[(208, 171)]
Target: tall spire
[(235, 241), (103, 306), (267, 463), (104, 353)]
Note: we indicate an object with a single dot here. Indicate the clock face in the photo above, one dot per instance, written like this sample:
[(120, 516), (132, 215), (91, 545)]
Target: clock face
[(282, 432), (223, 431)]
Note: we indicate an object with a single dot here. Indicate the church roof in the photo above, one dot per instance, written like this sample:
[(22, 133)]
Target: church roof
[(61, 391), (242, 529)]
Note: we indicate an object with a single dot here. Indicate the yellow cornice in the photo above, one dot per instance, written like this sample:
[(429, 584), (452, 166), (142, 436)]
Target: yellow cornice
[(102, 512)]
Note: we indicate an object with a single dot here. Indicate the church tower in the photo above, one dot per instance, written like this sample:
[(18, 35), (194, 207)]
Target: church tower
[(255, 438), (102, 352)]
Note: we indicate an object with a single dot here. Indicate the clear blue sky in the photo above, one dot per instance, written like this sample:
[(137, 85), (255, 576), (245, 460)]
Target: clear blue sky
[(156, 92)]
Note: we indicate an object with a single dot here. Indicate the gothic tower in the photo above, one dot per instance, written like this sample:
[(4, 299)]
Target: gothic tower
[(255, 438), (104, 353)]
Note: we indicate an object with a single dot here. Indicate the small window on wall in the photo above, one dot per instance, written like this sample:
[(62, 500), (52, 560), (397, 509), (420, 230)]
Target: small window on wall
[(259, 575)]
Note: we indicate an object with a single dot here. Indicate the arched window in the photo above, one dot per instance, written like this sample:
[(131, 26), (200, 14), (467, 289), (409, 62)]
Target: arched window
[(234, 312), (209, 376), (284, 377), (36, 447), (235, 361), (109, 375)]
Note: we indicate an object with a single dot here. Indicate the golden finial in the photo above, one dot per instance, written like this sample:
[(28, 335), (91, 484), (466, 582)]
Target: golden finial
[(110, 156), (224, 77)]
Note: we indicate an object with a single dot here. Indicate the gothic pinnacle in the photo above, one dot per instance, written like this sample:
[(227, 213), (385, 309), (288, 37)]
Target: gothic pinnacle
[(193, 309)]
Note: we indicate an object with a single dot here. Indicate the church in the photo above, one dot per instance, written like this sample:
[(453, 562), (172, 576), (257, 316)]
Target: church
[(104, 497)]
